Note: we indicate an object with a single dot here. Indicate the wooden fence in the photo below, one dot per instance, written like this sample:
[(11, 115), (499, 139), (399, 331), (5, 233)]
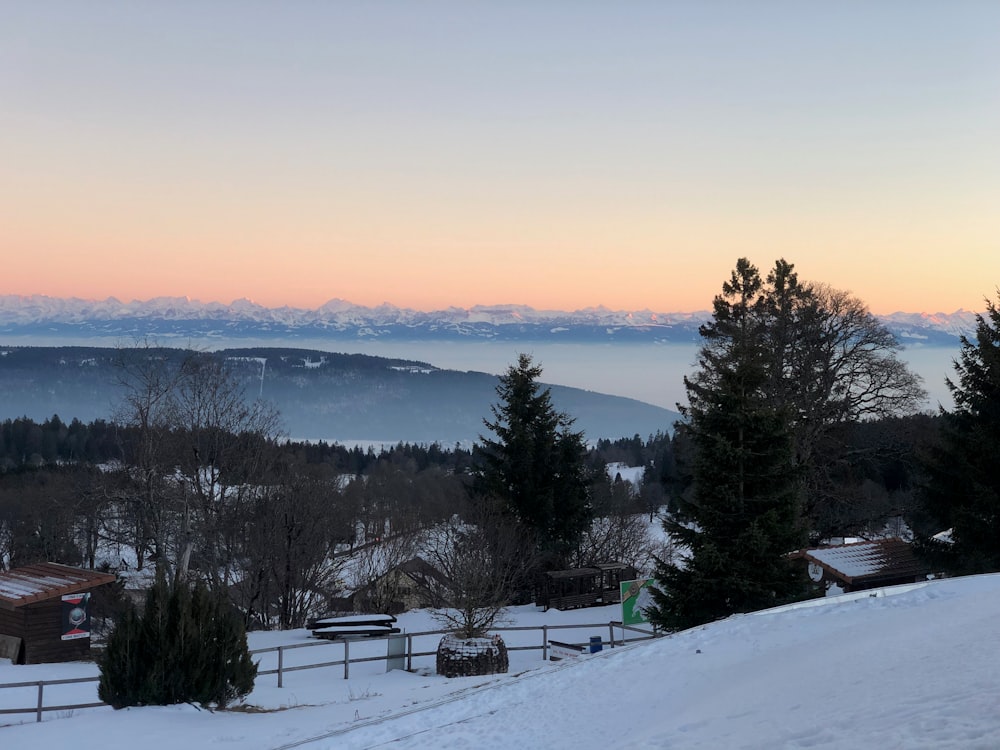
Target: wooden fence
[(281, 670)]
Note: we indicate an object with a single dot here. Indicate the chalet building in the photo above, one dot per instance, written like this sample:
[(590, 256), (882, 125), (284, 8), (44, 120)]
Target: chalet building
[(44, 612), (864, 565), (411, 585)]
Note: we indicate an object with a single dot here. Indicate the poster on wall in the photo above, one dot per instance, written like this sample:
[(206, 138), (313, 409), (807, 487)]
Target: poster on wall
[(75, 617)]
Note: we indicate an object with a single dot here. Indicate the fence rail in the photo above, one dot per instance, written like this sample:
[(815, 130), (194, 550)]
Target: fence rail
[(39, 708)]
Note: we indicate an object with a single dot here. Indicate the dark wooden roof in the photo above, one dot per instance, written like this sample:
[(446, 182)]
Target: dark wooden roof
[(35, 583), (572, 573), (613, 566), (419, 569), (596, 569)]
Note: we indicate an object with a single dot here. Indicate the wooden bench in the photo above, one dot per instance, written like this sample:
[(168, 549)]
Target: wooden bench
[(335, 632), (354, 626)]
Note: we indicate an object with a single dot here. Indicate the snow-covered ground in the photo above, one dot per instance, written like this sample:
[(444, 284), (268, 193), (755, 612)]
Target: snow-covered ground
[(919, 668), (632, 474)]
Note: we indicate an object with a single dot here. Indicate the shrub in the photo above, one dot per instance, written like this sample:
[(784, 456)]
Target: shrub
[(187, 646)]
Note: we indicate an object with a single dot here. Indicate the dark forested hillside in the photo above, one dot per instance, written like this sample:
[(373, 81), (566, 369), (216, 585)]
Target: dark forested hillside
[(320, 395)]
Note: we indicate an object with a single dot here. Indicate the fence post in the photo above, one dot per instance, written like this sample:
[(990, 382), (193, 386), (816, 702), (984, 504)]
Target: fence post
[(41, 687), (281, 661), (347, 658), (409, 652), (611, 633), (545, 642)]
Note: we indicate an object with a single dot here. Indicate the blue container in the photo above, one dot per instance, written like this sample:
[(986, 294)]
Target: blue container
[(595, 644)]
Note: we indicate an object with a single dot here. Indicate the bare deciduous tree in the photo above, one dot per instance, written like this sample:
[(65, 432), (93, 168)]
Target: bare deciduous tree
[(618, 532), (147, 412), (194, 455), (831, 363), (620, 537), (483, 560), (290, 570), (224, 465)]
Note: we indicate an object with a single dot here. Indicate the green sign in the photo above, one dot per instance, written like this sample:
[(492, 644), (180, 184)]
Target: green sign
[(636, 597)]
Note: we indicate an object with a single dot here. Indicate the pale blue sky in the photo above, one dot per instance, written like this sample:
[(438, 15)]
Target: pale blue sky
[(437, 153)]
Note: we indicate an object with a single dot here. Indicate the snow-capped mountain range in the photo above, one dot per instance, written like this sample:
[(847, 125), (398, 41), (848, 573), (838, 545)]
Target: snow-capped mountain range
[(339, 320)]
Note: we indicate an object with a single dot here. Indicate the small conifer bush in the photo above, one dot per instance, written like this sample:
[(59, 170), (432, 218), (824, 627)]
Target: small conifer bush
[(186, 646)]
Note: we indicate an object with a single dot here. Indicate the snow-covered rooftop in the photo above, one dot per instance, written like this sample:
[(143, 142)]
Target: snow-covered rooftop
[(33, 583), (882, 558)]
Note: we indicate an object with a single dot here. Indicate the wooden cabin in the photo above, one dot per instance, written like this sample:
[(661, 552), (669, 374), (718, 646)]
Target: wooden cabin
[(44, 612), (864, 565), (583, 587)]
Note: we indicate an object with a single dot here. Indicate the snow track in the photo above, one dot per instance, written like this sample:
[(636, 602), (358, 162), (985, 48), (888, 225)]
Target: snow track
[(459, 695)]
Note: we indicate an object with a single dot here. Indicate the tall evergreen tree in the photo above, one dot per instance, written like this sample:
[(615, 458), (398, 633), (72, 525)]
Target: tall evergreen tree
[(537, 463), (744, 512), (962, 492)]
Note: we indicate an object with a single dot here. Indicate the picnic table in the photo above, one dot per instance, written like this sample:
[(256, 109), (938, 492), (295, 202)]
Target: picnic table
[(354, 626)]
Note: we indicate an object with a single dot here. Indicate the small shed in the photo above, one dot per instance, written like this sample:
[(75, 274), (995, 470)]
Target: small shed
[(583, 587), (44, 612), (612, 576), (864, 565)]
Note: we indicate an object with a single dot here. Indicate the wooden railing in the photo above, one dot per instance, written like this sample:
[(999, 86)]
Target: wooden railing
[(408, 655), (40, 707)]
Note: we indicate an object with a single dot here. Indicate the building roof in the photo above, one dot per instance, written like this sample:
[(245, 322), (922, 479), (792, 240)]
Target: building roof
[(35, 583), (422, 571), (572, 573), (613, 566), (868, 561), (596, 569)]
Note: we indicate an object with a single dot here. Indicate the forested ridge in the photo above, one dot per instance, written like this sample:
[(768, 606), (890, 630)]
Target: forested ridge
[(320, 395)]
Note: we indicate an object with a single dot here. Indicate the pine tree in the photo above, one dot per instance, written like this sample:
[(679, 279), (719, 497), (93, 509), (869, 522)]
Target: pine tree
[(186, 646), (123, 662), (744, 515), (962, 491), (536, 465), (219, 661)]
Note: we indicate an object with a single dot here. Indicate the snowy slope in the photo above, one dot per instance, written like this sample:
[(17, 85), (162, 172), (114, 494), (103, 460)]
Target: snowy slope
[(917, 669)]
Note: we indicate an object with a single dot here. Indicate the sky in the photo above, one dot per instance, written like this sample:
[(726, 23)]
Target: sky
[(914, 667), (441, 154)]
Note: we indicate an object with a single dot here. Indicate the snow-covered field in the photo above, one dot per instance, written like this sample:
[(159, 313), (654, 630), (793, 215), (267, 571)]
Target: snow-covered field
[(919, 668)]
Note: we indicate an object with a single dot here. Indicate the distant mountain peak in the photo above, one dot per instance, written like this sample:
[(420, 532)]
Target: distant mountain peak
[(334, 305), (338, 319)]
